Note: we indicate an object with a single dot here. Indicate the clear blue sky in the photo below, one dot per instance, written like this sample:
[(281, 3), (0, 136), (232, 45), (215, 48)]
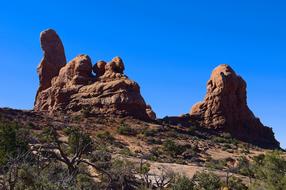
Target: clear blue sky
[(169, 48)]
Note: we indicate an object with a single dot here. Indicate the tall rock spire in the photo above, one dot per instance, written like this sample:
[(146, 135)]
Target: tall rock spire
[(225, 107)]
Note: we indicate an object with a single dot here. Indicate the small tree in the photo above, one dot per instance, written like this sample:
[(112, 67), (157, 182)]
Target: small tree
[(144, 170), (164, 179)]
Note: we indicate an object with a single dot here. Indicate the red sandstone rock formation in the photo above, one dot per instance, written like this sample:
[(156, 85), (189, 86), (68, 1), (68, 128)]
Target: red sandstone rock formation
[(72, 87), (54, 58), (225, 107)]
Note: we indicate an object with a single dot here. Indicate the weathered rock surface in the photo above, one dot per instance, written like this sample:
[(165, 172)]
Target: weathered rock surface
[(74, 88), (54, 58), (225, 107)]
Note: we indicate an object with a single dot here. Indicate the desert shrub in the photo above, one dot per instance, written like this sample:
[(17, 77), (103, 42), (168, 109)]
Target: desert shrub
[(123, 174), (51, 177), (150, 132), (224, 138), (270, 172), (173, 148), (101, 159), (235, 183), (245, 150), (79, 140), (226, 135), (143, 171), (244, 167), (126, 151), (54, 176), (216, 164), (206, 181), (153, 140), (13, 140), (124, 129), (182, 182), (45, 135), (227, 146), (84, 182), (218, 139), (190, 153), (192, 130), (105, 136)]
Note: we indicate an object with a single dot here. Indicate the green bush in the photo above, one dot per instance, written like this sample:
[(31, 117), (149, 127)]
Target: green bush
[(13, 141), (79, 140), (149, 132), (182, 183), (216, 164), (206, 181), (124, 129), (244, 167), (52, 177), (105, 136), (270, 170), (235, 183), (226, 135), (172, 148), (218, 139), (126, 151)]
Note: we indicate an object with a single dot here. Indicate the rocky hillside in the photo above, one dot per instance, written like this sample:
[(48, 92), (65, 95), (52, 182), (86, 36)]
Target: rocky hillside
[(163, 149)]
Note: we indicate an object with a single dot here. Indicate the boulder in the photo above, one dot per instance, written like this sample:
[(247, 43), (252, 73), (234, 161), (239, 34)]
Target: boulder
[(99, 68)]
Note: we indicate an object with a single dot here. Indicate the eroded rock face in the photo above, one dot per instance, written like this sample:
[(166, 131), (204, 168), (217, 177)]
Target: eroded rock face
[(74, 88), (225, 107), (54, 58)]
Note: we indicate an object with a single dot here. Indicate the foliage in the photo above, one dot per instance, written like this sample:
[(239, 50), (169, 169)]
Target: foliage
[(216, 164), (123, 174), (182, 183), (172, 148), (78, 140), (224, 138), (235, 183), (270, 172), (206, 181), (245, 167), (105, 136), (48, 164), (150, 132), (13, 140), (124, 129)]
